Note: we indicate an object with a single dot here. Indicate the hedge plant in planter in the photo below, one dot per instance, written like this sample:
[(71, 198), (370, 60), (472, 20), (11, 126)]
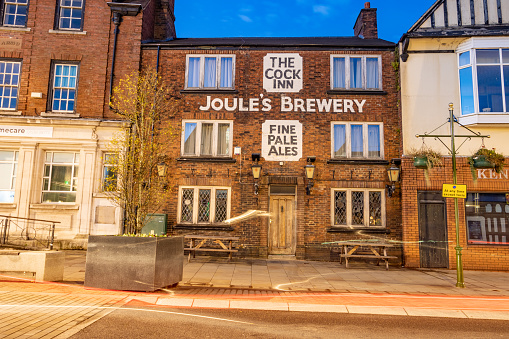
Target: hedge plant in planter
[(486, 158)]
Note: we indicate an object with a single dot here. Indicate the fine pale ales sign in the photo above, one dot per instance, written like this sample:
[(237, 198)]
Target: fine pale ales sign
[(282, 140), (454, 191)]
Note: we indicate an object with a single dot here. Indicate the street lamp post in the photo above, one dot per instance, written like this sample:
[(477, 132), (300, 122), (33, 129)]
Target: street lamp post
[(459, 263)]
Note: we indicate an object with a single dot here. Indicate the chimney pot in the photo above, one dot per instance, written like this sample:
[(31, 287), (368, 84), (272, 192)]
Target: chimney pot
[(367, 5)]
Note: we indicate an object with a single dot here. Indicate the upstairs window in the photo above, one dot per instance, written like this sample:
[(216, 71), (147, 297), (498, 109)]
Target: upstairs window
[(484, 81), (65, 81), (210, 71), (207, 138), (9, 84), (14, 13), (357, 140), (352, 72), (70, 14)]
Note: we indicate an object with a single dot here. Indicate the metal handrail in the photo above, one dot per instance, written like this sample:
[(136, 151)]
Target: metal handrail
[(5, 226)]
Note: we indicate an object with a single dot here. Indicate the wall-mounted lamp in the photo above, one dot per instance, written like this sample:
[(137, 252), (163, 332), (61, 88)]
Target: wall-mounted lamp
[(310, 173), (161, 169), (257, 170), (393, 174)]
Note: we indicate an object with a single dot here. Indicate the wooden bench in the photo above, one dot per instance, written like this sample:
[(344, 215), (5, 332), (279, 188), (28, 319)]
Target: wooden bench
[(205, 244), (366, 250)]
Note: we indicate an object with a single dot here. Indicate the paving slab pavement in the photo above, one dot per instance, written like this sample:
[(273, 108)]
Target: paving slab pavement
[(61, 309)]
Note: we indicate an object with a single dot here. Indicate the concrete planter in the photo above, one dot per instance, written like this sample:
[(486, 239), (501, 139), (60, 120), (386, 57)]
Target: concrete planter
[(133, 263)]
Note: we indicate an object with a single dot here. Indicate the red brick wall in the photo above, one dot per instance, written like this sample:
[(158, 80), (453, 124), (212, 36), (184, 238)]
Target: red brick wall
[(313, 213), (93, 51), (475, 257)]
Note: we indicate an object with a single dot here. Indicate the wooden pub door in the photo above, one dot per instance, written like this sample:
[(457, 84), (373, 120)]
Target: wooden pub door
[(282, 225), (432, 230)]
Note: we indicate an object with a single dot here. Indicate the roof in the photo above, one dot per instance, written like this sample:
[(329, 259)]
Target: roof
[(304, 42)]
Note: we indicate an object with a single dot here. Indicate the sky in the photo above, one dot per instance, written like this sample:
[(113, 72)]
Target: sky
[(292, 18)]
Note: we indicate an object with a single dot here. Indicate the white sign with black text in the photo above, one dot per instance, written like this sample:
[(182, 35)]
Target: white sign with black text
[(26, 131), (282, 140), (282, 72)]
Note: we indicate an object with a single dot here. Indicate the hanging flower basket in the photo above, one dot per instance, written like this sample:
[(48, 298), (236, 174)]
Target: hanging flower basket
[(421, 162), (486, 158), (426, 158), (480, 162)]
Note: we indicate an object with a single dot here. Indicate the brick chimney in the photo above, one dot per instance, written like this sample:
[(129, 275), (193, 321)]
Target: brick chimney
[(366, 26)]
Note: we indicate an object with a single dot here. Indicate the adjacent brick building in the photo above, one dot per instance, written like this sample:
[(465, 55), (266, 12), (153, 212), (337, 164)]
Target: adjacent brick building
[(457, 52), (55, 68), (331, 103)]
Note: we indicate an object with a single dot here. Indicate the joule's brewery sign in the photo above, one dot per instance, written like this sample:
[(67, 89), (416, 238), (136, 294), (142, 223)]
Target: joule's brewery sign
[(282, 72), (282, 140)]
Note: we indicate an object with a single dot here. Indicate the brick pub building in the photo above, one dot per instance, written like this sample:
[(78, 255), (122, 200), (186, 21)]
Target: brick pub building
[(283, 104)]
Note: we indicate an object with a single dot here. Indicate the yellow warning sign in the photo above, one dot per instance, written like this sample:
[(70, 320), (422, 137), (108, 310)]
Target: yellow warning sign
[(454, 191)]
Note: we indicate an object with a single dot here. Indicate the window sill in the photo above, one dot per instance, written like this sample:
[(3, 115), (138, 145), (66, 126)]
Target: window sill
[(204, 227), (209, 91), (101, 195), (63, 31), (358, 91), (358, 162), (364, 230), (55, 206), (60, 115), (484, 119), (10, 112), (204, 159), (15, 29), (7, 205)]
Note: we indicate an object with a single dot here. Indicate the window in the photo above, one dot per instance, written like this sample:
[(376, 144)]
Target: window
[(204, 205), (14, 13), (357, 140), (60, 179), (65, 80), (70, 14), (9, 83), (356, 72), (109, 172), (357, 207), (8, 165), (207, 138), (487, 215), (210, 71), (484, 80)]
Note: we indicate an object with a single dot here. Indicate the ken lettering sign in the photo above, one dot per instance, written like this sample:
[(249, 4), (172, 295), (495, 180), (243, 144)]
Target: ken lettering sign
[(282, 73), (282, 140)]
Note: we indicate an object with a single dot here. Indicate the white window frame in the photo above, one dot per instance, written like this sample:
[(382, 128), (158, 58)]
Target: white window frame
[(347, 72), (12, 175), (471, 45), (10, 85), (64, 88), (366, 206), (72, 8), (106, 164), (212, 216), (74, 178), (214, 138), (202, 71), (348, 139), (17, 5)]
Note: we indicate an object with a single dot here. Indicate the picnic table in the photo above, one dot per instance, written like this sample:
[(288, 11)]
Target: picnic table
[(204, 243), (368, 250)]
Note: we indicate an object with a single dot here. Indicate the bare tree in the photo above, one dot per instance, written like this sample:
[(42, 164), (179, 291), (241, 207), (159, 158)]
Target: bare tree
[(134, 183)]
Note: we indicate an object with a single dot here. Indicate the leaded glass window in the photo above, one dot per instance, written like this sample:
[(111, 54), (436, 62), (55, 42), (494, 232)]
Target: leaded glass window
[(204, 205), (358, 207)]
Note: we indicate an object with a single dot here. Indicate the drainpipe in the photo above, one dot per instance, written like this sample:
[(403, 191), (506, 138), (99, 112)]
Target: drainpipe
[(119, 10)]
